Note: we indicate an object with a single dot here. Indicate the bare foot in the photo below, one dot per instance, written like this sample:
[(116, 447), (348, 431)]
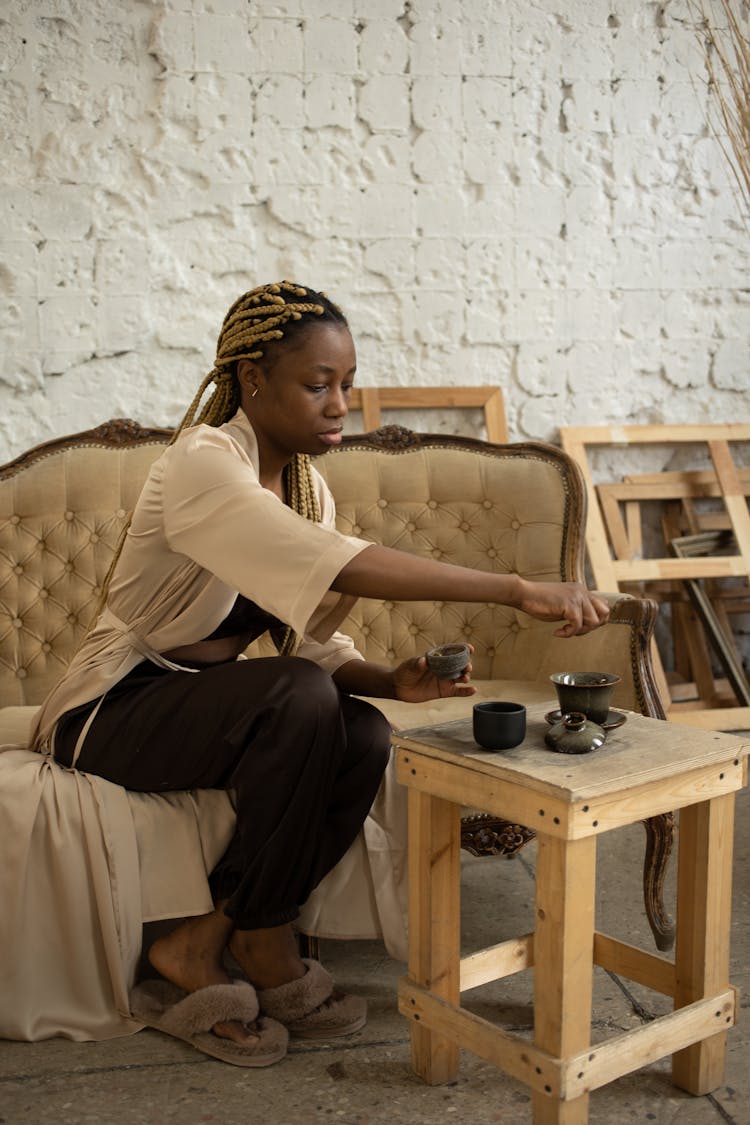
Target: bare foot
[(191, 957), (268, 957)]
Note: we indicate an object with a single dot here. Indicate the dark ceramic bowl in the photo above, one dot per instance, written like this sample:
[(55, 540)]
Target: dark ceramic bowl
[(448, 662), (589, 692)]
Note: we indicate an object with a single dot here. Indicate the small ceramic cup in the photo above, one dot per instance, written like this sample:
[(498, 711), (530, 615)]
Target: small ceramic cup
[(448, 662), (499, 726), (589, 692)]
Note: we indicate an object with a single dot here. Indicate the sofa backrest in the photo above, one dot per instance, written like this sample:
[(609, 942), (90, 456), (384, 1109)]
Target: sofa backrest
[(515, 508), (503, 508), (63, 506)]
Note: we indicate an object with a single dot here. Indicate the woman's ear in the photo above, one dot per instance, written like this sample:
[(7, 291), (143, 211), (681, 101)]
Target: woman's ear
[(249, 376)]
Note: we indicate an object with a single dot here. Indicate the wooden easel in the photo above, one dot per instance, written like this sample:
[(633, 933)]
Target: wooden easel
[(373, 400), (614, 544)]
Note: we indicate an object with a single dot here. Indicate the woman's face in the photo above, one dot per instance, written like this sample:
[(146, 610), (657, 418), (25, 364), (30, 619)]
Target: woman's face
[(302, 395)]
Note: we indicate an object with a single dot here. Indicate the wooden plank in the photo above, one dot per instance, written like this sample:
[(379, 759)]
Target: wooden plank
[(687, 478), (712, 521), (719, 566), (734, 498), (368, 401), (634, 526), (453, 782), (691, 656), (636, 964), (699, 544), (722, 611), (657, 435), (563, 965), (687, 516), (495, 420), (605, 1062), (737, 599), (569, 1077), (698, 652), (597, 544), (640, 754), (434, 924), (600, 557), (704, 914), (683, 655), (502, 960), (727, 481), (638, 803), (613, 807), (689, 636), (684, 692), (690, 703), (712, 718), (615, 525), (638, 490), (418, 397), (512, 1053), (373, 400)]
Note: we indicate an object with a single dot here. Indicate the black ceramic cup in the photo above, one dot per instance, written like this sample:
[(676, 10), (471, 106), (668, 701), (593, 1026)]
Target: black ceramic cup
[(499, 726)]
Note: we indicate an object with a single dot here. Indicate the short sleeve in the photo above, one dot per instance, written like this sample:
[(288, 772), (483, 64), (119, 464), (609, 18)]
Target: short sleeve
[(216, 512), (332, 654)]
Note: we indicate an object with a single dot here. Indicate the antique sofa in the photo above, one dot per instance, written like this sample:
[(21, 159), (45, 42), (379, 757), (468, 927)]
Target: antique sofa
[(84, 864)]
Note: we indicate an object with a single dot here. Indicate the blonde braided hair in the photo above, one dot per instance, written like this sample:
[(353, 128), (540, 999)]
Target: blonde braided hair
[(259, 318)]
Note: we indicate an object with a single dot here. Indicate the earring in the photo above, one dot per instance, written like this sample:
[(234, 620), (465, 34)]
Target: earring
[(255, 392)]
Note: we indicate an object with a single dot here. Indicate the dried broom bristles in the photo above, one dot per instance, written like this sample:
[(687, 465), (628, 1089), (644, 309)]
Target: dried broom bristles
[(728, 66)]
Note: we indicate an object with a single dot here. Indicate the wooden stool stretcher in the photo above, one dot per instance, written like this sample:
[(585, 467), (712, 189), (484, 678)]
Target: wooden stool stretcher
[(647, 767)]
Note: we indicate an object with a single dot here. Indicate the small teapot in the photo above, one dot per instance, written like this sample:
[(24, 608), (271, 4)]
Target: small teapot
[(575, 734)]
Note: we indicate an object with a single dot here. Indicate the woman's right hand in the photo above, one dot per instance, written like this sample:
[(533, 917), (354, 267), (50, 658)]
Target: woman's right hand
[(382, 572), (570, 602)]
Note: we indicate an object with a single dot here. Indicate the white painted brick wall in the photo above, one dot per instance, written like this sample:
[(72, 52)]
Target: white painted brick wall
[(496, 191)]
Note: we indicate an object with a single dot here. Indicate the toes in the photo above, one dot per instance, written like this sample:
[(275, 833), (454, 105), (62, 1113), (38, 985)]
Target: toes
[(236, 1031)]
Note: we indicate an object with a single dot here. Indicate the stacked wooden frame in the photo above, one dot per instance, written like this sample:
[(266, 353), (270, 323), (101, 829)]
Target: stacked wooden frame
[(701, 548), (373, 400)]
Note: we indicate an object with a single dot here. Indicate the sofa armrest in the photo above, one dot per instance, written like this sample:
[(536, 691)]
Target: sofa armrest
[(622, 646)]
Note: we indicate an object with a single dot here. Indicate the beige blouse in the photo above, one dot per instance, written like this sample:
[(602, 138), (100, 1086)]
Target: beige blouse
[(204, 529)]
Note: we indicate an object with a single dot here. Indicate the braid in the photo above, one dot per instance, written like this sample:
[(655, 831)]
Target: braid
[(300, 493), (259, 317)]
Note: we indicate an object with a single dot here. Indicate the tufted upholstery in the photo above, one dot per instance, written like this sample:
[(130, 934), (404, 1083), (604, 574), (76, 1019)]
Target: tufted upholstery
[(61, 515), (498, 511), (504, 508)]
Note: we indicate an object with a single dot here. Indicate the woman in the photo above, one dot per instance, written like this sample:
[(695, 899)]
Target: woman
[(234, 535)]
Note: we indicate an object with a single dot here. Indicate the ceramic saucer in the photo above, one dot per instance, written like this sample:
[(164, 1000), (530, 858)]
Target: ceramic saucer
[(614, 719)]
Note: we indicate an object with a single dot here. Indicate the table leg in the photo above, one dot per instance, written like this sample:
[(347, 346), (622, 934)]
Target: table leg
[(434, 924), (704, 902), (563, 962)]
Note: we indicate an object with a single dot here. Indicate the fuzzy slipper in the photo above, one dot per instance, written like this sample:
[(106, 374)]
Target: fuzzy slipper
[(190, 1017), (310, 1009)]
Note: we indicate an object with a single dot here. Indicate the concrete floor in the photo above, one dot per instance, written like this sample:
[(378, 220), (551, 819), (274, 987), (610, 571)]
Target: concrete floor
[(148, 1078)]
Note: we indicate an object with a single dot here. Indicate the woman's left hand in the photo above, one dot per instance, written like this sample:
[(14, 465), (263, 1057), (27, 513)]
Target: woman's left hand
[(413, 682)]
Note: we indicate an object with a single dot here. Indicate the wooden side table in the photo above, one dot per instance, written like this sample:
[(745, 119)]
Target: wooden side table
[(647, 767)]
